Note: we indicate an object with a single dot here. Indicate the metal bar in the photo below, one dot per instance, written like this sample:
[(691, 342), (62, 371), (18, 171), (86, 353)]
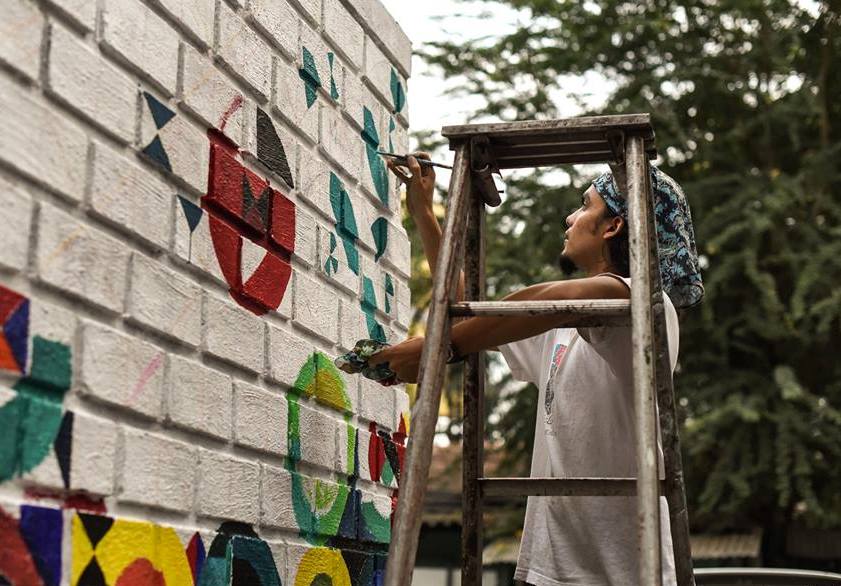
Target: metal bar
[(604, 308), (558, 487), (639, 210), (631, 122), (474, 411), (407, 522)]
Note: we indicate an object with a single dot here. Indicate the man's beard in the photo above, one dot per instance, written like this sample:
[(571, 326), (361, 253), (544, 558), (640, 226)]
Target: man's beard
[(566, 264)]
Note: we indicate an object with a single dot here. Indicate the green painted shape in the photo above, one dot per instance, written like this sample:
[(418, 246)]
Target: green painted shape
[(330, 386), (389, 292), (334, 91), (333, 497), (351, 447), (387, 475), (378, 527), (31, 420), (391, 129), (369, 305), (216, 571), (322, 580), (379, 229), (379, 173), (309, 73), (257, 553), (345, 221), (293, 430), (305, 381), (398, 95), (333, 243)]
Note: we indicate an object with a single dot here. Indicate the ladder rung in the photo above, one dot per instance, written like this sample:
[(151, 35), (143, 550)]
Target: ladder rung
[(509, 487), (581, 313)]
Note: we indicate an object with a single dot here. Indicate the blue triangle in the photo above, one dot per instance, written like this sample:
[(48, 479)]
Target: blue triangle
[(160, 113), (155, 151), (16, 331), (192, 212)]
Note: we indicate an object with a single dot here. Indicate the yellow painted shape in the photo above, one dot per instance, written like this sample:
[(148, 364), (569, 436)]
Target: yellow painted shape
[(321, 560), (329, 389), (127, 541), (81, 548)]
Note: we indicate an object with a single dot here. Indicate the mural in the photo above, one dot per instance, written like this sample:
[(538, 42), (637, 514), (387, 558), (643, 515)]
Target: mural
[(379, 172), (398, 95), (312, 81)]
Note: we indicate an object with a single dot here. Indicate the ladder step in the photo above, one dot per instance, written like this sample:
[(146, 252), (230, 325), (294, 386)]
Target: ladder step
[(512, 487), (581, 313)]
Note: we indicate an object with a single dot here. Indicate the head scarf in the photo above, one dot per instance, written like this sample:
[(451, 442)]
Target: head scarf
[(679, 270)]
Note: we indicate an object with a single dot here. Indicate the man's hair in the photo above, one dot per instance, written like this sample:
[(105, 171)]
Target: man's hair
[(618, 248)]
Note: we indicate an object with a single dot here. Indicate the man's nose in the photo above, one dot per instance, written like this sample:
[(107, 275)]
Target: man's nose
[(570, 219)]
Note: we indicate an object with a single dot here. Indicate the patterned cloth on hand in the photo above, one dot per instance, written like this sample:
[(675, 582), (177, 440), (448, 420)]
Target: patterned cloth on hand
[(679, 269), (356, 361)]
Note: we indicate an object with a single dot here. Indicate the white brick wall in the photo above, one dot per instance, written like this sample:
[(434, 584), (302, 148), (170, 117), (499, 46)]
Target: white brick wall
[(136, 188)]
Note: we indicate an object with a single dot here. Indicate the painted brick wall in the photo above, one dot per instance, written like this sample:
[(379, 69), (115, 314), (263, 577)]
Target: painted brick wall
[(194, 223)]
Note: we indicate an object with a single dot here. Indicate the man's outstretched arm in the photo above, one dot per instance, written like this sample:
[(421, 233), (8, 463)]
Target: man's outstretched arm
[(482, 333)]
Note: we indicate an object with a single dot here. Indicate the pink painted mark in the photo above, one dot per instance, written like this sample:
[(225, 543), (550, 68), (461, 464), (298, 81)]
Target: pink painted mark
[(235, 105), (147, 374)]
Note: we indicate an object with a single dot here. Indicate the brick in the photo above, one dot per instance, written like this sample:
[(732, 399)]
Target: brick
[(352, 324), (340, 141), (194, 16), (311, 41), (311, 9), (398, 255), (157, 471), (187, 147), (82, 12), (121, 370), (291, 101), (288, 353), (306, 237), (233, 334), (199, 398), (344, 32), (16, 211), (164, 300), (87, 83), (314, 184), (332, 261), (316, 307), (195, 247), (76, 258), (94, 450), (208, 94), (402, 407), (39, 142), (143, 39), (278, 509), (279, 21), (51, 322), (243, 52), (229, 488), (261, 419), (363, 9), (132, 198), (319, 437), (377, 70), (397, 43), (405, 310), (347, 445), (20, 36), (376, 403), (356, 96)]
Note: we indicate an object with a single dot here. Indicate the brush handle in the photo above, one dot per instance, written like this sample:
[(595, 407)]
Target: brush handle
[(403, 160)]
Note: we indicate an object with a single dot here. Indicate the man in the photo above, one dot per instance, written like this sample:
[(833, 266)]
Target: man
[(585, 425)]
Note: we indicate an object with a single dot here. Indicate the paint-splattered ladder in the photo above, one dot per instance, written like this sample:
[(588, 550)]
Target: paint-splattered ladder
[(480, 149)]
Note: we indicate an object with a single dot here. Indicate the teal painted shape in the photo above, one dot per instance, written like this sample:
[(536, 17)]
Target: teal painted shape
[(31, 420), (216, 571), (345, 221), (309, 73), (391, 128), (379, 173), (192, 212), (379, 229), (334, 91), (257, 553), (389, 292), (398, 95), (374, 526), (369, 306)]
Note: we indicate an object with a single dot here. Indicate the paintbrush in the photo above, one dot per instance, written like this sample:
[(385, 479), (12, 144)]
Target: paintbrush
[(403, 160)]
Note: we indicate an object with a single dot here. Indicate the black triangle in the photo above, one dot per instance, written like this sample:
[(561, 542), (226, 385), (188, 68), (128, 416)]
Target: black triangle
[(63, 445), (92, 575), (270, 149), (96, 526), (155, 151), (160, 113)]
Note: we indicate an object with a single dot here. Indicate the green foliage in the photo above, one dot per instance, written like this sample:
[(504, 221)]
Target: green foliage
[(744, 101)]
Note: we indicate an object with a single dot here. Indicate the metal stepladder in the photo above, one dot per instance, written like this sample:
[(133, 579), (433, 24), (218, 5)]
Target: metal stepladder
[(625, 141)]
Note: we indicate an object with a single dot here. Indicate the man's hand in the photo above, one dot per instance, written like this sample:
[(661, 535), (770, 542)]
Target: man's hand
[(419, 185), (403, 359)]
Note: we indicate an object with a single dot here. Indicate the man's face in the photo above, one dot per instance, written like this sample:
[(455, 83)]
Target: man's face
[(587, 230)]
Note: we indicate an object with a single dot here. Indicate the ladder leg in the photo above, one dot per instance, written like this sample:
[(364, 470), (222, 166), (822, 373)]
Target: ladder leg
[(474, 411), (642, 259), (407, 522)]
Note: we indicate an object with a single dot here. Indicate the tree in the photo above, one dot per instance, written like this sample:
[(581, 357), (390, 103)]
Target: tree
[(741, 96)]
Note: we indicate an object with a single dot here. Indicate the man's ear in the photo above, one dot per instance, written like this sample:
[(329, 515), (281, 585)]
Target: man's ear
[(613, 228)]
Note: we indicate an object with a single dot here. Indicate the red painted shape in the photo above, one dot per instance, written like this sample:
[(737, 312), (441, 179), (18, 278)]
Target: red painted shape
[(74, 500), (140, 572), (376, 453), (16, 564), (7, 358), (229, 222), (193, 555), (283, 222), (9, 301), (235, 105)]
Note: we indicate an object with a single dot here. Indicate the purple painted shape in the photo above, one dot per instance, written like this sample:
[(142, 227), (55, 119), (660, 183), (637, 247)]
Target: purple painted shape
[(41, 529), (16, 332)]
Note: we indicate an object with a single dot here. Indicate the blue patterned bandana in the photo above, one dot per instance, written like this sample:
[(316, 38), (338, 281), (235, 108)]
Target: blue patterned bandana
[(679, 271)]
